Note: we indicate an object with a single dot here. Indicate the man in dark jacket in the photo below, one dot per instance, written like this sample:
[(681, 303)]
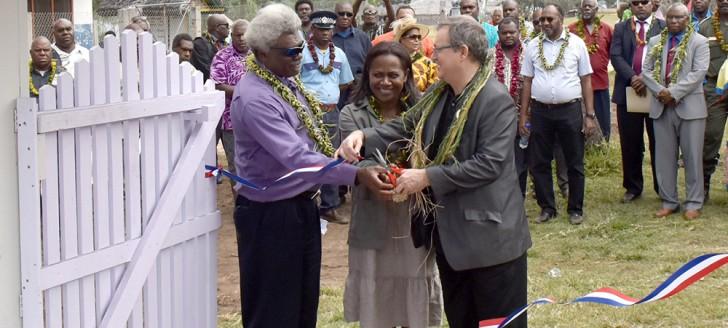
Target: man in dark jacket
[(207, 45)]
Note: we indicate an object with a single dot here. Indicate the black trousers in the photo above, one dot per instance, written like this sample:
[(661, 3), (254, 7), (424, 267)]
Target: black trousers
[(632, 128), (565, 123), (521, 158), (482, 293), (279, 251)]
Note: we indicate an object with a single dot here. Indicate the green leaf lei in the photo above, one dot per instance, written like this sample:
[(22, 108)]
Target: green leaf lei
[(559, 58), (315, 131), (426, 105), (677, 60)]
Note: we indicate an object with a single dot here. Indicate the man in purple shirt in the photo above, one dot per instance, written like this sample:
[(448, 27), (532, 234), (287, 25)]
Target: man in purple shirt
[(227, 67), (276, 131)]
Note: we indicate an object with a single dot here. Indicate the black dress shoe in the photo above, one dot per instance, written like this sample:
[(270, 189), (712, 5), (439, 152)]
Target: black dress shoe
[(545, 217), (629, 197), (576, 219)]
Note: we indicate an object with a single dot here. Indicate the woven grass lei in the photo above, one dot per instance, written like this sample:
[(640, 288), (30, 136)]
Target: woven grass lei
[(316, 131), (51, 77), (677, 60)]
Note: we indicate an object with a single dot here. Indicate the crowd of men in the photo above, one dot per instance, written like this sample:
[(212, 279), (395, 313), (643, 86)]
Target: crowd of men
[(548, 92)]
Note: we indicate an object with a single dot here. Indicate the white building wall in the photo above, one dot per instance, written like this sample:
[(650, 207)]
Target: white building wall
[(13, 64)]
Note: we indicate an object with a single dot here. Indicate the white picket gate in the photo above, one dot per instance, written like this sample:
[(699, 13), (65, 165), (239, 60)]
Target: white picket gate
[(118, 224)]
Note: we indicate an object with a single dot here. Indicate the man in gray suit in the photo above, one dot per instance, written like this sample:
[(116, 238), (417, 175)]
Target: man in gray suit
[(480, 233), (675, 76)]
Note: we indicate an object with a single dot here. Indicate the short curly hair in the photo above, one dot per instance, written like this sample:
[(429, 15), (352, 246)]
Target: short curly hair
[(269, 24)]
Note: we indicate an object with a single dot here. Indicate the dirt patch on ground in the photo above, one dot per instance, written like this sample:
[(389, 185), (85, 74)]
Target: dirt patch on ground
[(333, 266)]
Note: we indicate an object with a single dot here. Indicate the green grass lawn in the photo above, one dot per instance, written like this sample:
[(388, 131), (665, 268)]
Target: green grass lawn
[(621, 246)]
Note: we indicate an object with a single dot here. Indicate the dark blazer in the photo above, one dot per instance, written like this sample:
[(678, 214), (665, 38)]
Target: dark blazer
[(481, 218), (621, 53), (202, 55)]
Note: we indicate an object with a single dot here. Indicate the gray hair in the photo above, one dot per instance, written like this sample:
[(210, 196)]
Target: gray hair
[(465, 31), (240, 23), (269, 24)]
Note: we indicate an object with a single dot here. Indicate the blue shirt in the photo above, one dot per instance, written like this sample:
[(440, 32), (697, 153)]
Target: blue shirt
[(696, 21), (491, 33), (325, 86), (356, 44)]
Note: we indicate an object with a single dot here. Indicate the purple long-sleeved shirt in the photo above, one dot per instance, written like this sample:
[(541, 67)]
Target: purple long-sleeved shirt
[(271, 141)]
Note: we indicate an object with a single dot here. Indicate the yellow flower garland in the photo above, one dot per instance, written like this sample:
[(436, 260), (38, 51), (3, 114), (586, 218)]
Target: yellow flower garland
[(52, 75), (522, 28), (315, 131), (677, 60), (559, 58), (715, 21), (581, 32)]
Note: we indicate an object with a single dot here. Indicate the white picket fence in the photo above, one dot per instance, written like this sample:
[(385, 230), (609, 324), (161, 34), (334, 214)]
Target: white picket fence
[(118, 224)]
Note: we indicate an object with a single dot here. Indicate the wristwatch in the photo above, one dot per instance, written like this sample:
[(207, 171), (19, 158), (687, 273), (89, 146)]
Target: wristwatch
[(591, 115)]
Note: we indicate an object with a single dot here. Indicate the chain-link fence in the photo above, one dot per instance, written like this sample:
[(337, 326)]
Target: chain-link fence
[(165, 20), (42, 22)]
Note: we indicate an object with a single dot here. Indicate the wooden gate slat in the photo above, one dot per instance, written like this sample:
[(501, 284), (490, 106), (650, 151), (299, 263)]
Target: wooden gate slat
[(50, 210), (100, 173), (84, 192), (67, 194)]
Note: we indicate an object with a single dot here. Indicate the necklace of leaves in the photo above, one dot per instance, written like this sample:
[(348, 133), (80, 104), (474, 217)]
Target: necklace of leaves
[(592, 46), (515, 68), (715, 21), (546, 66), (332, 55), (641, 42), (51, 76), (522, 28), (677, 61), (373, 104), (315, 131)]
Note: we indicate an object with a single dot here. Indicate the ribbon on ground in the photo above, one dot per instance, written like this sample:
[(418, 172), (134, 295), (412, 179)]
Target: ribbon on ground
[(219, 172), (687, 275)]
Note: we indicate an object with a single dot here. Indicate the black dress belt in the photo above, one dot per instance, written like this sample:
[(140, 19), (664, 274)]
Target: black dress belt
[(308, 194), (555, 106)]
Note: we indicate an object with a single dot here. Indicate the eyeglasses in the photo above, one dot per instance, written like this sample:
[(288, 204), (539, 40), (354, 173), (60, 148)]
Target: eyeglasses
[(546, 19), (345, 14), (535, 22), (413, 37), (291, 52), (438, 49), (640, 2), (227, 26)]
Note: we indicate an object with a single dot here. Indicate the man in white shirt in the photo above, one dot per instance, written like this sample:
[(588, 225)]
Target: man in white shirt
[(556, 81), (65, 45)]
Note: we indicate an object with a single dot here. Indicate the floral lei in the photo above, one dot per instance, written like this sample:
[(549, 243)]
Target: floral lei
[(677, 60), (559, 58), (332, 55), (515, 68), (522, 28), (315, 131), (51, 76), (592, 46), (715, 21), (640, 42)]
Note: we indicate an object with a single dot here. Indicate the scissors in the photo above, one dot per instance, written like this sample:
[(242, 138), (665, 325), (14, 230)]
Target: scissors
[(393, 171)]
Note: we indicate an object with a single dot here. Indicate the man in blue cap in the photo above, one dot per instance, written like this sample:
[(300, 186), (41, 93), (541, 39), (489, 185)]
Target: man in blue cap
[(325, 71)]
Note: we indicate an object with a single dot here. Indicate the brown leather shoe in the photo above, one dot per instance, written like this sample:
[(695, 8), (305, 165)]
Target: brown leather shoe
[(691, 215), (663, 212)]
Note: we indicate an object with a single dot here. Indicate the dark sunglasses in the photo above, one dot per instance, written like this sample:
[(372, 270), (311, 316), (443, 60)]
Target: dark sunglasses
[(545, 19), (227, 26), (640, 2), (291, 52), (345, 14), (416, 37)]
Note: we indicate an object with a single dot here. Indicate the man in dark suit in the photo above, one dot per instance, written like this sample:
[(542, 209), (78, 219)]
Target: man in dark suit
[(480, 234), (628, 51), (207, 45)]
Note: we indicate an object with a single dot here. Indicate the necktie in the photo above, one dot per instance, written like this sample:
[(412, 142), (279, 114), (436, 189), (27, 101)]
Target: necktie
[(670, 57), (637, 60)]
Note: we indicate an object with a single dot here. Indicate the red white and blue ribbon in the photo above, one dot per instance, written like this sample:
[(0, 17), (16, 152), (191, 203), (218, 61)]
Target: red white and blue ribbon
[(687, 275), (219, 172)]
